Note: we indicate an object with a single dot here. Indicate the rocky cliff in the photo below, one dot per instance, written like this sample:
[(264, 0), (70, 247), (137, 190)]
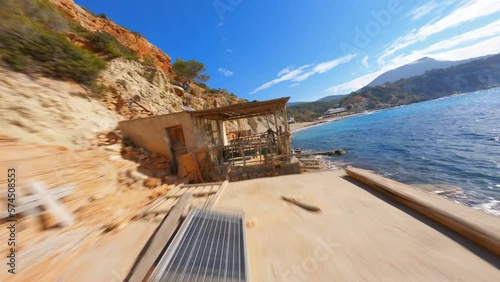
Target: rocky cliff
[(133, 41), (51, 112), (41, 109)]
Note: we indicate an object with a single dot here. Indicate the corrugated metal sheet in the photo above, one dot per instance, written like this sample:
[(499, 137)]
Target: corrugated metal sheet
[(210, 246)]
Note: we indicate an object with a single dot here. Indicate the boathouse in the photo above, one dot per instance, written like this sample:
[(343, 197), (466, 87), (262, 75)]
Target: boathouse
[(198, 147)]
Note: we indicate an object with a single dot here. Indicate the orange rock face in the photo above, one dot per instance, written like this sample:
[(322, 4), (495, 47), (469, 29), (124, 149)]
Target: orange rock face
[(134, 42)]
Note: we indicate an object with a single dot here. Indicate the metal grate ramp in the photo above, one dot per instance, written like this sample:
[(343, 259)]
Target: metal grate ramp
[(210, 246)]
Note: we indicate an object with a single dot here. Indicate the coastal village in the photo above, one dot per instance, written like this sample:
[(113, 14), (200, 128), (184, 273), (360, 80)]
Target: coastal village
[(160, 179)]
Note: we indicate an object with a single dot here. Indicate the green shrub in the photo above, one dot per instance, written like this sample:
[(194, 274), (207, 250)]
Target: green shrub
[(203, 85), (50, 54), (87, 10), (33, 45), (98, 90), (39, 11), (150, 61), (102, 16), (78, 29), (190, 70), (136, 33), (103, 42)]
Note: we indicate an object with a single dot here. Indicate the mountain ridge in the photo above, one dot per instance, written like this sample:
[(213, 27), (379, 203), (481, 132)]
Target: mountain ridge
[(412, 69), (477, 74), (308, 111)]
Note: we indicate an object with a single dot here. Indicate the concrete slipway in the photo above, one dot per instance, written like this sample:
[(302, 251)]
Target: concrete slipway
[(359, 235)]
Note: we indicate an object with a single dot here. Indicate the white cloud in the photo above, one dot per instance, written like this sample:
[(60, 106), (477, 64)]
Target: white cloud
[(365, 62), (295, 85), (492, 29), (440, 51), (422, 11), (326, 66), (229, 50), (483, 48), (304, 72), (474, 9), (304, 76), (225, 72), (427, 8), (286, 76), (355, 84), (220, 24), (445, 50), (285, 71)]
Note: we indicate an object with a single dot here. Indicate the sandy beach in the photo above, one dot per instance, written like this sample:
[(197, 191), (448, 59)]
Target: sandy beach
[(300, 125)]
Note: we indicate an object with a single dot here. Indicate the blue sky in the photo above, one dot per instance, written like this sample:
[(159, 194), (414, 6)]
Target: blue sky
[(264, 49)]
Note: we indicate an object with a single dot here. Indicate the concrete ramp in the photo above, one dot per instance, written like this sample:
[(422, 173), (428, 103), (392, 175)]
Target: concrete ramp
[(481, 228)]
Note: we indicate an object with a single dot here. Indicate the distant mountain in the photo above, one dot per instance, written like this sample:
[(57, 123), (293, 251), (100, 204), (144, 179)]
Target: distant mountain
[(332, 98), (413, 69), (482, 73), (291, 104), (308, 111)]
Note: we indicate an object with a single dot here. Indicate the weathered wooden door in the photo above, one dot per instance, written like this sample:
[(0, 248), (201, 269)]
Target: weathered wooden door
[(177, 140)]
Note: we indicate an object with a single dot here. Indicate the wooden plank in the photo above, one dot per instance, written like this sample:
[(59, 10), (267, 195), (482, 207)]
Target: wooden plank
[(210, 188), (191, 190), (203, 184), (158, 241), (213, 189), (199, 178), (217, 196), (278, 133), (52, 205), (164, 208), (186, 167), (25, 204), (196, 195), (159, 201), (201, 194), (177, 189)]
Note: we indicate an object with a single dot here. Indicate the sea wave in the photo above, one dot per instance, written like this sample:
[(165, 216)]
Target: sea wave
[(491, 206), (448, 141)]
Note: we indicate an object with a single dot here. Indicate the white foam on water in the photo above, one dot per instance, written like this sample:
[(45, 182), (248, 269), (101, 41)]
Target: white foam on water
[(491, 207)]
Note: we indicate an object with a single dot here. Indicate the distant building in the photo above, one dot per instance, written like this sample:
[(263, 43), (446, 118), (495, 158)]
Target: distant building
[(334, 111), (291, 120)]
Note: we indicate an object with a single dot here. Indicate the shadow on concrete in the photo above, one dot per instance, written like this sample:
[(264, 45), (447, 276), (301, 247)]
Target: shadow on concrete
[(466, 243)]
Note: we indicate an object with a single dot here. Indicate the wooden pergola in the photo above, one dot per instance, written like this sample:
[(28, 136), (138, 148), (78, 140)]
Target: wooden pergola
[(244, 110), (273, 147)]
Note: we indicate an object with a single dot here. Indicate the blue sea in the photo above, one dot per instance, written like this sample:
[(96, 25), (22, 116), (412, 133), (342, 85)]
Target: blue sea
[(453, 140)]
